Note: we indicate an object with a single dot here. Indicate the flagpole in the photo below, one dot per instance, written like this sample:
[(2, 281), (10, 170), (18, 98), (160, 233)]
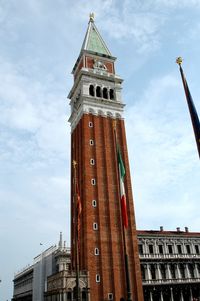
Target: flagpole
[(128, 290), (76, 235), (192, 109)]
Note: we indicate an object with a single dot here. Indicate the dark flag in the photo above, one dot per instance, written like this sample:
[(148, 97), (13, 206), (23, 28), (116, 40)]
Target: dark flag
[(191, 106)]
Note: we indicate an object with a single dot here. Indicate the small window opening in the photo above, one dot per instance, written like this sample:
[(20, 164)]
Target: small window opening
[(188, 249), (160, 247), (95, 226), (140, 249), (96, 251), (111, 94), (91, 90), (92, 161), (105, 93), (94, 203), (170, 250), (90, 124), (197, 249), (93, 182), (179, 248), (98, 279), (151, 249), (98, 91)]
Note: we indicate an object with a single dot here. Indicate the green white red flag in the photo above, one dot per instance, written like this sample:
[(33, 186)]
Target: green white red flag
[(79, 209), (122, 189)]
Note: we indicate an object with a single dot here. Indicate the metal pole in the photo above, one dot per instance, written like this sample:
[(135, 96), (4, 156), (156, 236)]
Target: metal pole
[(127, 277), (76, 236)]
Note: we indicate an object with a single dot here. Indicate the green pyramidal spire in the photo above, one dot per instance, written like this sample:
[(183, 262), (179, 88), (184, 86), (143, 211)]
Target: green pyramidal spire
[(93, 40)]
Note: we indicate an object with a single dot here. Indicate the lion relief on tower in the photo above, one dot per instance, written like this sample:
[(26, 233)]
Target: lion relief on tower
[(99, 65)]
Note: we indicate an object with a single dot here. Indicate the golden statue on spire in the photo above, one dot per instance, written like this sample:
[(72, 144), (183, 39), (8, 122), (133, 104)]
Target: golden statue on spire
[(179, 60), (91, 17)]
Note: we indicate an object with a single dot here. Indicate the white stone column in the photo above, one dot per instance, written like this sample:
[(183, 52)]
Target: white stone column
[(169, 275), (151, 297), (165, 251), (187, 272), (161, 296), (196, 272), (181, 297), (171, 293), (178, 273), (158, 272), (191, 296), (64, 296), (148, 272), (156, 247), (145, 247)]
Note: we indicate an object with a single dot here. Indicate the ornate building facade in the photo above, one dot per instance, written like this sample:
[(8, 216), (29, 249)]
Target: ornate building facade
[(105, 245), (169, 260), (49, 277), (170, 265)]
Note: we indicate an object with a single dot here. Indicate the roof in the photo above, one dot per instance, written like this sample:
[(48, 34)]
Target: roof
[(168, 233), (93, 40)]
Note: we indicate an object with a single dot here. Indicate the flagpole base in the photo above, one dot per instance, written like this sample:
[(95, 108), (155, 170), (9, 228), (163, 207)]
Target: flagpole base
[(129, 297)]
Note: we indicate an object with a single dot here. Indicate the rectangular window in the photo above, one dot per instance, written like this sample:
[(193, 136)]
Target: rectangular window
[(110, 296), (170, 249), (163, 271), (160, 247), (188, 249), (196, 249), (98, 278), (153, 271), (91, 142), (140, 249), (179, 249), (95, 226), (151, 249), (173, 272), (90, 124), (94, 203)]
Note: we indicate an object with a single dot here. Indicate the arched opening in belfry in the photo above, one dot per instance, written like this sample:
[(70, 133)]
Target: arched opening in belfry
[(111, 94), (69, 296), (91, 90), (98, 91), (105, 93)]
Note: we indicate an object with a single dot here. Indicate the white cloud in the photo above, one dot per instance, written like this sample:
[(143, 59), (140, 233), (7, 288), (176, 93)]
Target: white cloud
[(160, 140)]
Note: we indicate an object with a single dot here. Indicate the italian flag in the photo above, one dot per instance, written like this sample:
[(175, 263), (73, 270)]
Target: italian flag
[(122, 189)]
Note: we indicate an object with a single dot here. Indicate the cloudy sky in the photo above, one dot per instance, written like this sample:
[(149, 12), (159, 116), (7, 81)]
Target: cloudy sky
[(39, 44)]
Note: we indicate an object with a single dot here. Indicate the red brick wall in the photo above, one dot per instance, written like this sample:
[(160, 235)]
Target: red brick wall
[(80, 65), (108, 238)]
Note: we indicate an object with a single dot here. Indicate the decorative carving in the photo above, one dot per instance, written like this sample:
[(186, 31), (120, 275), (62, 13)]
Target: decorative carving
[(99, 65)]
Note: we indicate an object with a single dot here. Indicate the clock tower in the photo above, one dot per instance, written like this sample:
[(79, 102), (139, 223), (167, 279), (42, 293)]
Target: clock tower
[(96, 104)]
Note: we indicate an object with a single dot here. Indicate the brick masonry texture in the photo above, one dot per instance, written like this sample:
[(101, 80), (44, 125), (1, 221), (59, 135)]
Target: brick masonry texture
[(109, 264)]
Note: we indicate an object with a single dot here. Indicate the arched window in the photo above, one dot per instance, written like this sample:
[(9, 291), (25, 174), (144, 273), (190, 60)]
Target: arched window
[(98, 91), (91, 90), (105, 93), (111, 94)]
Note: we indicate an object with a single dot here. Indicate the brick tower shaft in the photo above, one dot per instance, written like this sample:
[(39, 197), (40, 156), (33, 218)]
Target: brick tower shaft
[(95, 103)]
